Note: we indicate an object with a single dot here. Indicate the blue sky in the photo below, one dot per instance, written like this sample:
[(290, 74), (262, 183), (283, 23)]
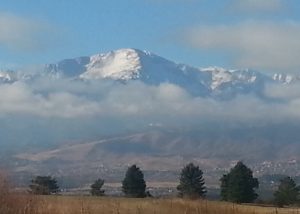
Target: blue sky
[(196, 32)]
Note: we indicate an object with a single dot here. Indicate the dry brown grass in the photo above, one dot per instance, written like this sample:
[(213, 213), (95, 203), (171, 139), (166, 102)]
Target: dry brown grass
[(12, 203), (106, 205)]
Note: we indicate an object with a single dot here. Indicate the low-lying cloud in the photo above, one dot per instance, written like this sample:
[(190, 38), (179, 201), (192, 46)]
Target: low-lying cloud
[(47, 112), (162, 104)]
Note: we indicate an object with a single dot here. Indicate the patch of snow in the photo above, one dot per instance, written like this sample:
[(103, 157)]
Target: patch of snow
[(219, 76), (7, 76), (283, 78), (122, 64)]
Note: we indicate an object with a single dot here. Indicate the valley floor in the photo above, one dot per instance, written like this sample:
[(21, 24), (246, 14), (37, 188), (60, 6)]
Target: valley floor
[(108, 205)]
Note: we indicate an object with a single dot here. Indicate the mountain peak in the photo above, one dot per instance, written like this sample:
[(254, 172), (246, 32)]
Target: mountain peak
[(122, 64)]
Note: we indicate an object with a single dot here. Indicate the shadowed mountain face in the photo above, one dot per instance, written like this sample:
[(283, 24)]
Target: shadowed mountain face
[(251, 144)]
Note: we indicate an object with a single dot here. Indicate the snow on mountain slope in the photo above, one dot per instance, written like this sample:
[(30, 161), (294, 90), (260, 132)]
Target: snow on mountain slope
[(7, 76), (226, 84), (156, 70), (131, 64), (218, 76), (122, 64), (284, 78), (221, 76)]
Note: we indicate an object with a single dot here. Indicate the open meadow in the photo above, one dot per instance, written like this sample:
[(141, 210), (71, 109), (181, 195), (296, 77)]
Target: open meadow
[(108, 205)]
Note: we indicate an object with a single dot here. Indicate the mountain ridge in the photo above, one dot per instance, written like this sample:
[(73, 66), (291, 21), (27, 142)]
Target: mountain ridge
[(163, 151), (129, 64)]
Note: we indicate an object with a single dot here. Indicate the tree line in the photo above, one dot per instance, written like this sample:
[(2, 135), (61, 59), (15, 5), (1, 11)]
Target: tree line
[(238, 185)]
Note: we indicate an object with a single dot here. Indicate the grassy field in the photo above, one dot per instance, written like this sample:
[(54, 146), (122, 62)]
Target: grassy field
[(13, 203), (107, 205)]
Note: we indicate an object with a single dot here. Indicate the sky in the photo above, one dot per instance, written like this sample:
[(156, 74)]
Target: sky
[(258, 34)]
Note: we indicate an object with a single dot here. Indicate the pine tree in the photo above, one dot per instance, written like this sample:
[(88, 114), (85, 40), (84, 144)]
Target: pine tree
[(43, 185), (96, 188), (224, 187), (238, 185), (134, 184), (287, 193), (191, 182)]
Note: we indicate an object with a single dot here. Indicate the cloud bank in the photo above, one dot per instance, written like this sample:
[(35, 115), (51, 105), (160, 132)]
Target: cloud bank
[(22, 34), (137, 101), (254, 44)]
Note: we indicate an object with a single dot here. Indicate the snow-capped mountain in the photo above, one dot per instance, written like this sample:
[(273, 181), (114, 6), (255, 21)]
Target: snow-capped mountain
[(131, 64)]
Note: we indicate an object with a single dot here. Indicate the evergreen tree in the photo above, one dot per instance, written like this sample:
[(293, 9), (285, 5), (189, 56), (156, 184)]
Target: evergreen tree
[(43, 185), (191, 182), (224, 187), (238, 185), (96, 188), (134, 184), (287, 193)]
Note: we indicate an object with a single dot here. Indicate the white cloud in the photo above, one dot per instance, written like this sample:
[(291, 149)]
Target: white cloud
[(285, 91), (136, 102), (258, 5), (23, 34), (253, 44), (19, 98)]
